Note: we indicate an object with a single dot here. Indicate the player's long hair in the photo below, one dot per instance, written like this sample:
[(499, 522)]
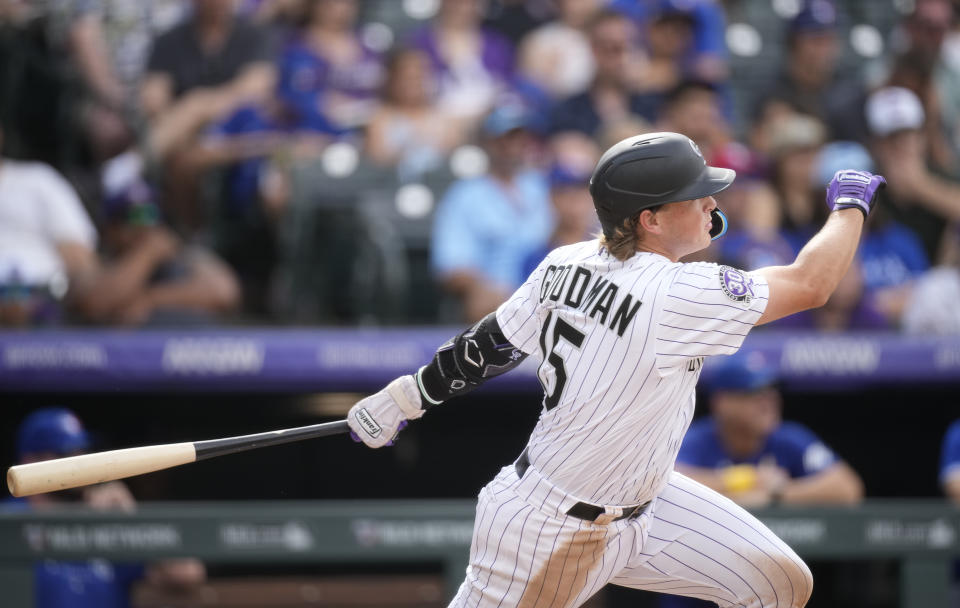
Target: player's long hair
[(624, 241)]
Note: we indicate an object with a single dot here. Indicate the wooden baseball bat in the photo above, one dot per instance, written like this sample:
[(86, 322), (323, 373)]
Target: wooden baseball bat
[(86, 469)]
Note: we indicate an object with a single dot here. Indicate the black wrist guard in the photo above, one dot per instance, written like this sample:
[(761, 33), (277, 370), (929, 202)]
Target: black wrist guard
[(466, 361)]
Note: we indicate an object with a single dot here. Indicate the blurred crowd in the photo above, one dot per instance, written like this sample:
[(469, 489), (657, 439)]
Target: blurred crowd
[(385, 161)]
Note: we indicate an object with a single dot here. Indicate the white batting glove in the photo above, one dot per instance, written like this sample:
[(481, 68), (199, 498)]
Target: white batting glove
[(377, 419)]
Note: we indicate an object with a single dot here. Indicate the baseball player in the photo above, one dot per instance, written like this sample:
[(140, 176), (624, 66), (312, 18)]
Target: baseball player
[(55, 432), (621, 328)]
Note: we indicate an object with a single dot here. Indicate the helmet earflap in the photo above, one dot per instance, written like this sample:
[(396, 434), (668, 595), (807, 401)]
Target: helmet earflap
[(719, 220)]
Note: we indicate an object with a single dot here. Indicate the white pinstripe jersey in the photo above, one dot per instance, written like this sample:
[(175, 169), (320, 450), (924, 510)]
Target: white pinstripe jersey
[(622, 345)]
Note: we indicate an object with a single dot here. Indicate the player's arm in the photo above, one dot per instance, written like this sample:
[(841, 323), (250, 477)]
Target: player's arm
[(950, 463), (837, 484), (710, 477), (809, 281), (459, 366), (951, 486)]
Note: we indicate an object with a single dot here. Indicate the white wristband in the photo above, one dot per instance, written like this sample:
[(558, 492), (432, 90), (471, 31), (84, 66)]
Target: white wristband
[(406, 395)]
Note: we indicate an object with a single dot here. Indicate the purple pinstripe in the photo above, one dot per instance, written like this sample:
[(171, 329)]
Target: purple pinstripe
[(745, 539), (603, 398)]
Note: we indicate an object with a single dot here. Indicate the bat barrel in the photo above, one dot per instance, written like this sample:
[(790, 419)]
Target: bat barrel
[(86, 469)]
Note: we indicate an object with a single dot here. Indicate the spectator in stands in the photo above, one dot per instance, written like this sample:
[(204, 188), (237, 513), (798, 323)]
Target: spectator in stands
[(796, 148), (50, 264), (408, 130), (744, 449), (695, 29), (947, 77), (918, 64), (794, 141), (950, 462), (473, 65), (694, 109), (611, 97), (891, 256), (809, 81), (47, 246), (754, 239), (514, 19), (107, 42), (200, 72), (163, 282), (487, 226), (574, 157), (671, 38), (916, 197), (283, 16), (932, 304), (556, 56), (56, 432), (328, 77)]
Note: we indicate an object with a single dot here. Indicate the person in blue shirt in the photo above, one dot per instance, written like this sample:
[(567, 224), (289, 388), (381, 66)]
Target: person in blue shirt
[(950, 462), (94, 583), (611, 97), (950, 481), (745, 450), (486, 226)]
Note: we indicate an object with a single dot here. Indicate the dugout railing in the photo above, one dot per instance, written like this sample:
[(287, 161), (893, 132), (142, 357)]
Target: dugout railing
[(923, 535)]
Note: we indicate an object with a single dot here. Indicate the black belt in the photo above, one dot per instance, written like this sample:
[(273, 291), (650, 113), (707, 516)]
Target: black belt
[(582, 510)]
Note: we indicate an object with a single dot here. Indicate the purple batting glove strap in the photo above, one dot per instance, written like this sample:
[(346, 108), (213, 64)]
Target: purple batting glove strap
[(857, 189)]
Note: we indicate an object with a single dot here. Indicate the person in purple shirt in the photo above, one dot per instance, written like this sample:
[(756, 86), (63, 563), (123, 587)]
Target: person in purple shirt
[(328, 76), (473, 65)]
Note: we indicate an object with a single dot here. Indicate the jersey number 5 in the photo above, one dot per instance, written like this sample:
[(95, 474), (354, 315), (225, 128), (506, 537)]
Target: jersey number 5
[(561, 329)]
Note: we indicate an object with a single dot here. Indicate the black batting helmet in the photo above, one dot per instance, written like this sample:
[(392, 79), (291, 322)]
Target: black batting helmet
[(647, 170)]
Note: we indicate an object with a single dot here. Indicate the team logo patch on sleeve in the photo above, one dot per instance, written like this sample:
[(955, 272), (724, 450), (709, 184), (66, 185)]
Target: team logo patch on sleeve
[(736, 285)]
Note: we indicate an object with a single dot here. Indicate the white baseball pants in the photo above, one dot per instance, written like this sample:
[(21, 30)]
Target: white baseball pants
[(692, 541)]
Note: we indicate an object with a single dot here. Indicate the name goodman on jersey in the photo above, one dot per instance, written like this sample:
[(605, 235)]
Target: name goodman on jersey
[(556, 277)]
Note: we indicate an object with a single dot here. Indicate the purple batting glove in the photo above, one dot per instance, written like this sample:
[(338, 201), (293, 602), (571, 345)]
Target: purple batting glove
[(400, 427), (858, 189)]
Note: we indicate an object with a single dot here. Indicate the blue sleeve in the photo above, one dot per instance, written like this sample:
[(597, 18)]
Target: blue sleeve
[(950, 455), (800, 451), (455, 245), (911, 249), (711, 29), (295, 66), (128, 573), (692, 449)]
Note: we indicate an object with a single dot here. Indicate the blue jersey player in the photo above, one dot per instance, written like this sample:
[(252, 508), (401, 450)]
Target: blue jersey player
[(745, 450)]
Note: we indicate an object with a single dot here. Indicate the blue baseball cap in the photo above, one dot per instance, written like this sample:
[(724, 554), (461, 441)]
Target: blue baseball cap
[(741, 371), (134, 204), (505, 118), (562, 175), (837, 155), (55, 429), (665, 9), (816, 16)]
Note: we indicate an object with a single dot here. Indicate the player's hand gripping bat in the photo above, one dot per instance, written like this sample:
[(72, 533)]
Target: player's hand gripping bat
[(86, 469)]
